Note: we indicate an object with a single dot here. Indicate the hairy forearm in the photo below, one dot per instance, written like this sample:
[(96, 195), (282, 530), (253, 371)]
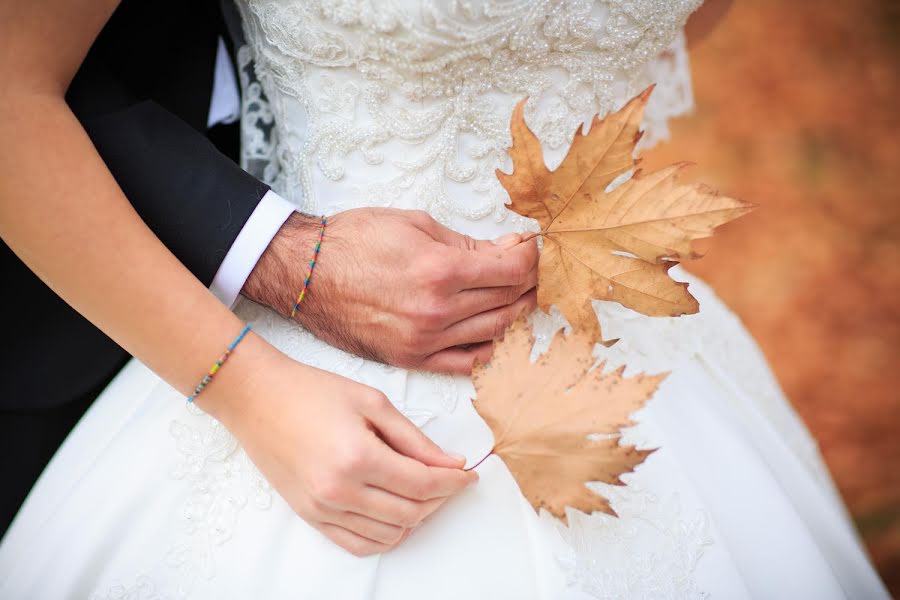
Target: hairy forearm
[(66, 218), (277, 277)]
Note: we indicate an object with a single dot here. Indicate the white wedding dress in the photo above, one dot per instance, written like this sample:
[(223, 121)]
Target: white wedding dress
[(406, 103)]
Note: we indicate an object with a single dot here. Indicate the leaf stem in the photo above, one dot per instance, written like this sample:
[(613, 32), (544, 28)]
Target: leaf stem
[(480, 461)]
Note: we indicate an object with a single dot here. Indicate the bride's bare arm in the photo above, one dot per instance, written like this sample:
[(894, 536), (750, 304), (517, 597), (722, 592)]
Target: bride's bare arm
[(63, 214)]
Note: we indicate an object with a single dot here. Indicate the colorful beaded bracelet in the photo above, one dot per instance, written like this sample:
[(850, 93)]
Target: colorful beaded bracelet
[(312, 265), (218, 365)]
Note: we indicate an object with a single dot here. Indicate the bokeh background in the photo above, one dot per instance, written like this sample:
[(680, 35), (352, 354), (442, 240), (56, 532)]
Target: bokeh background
[(797, 111)]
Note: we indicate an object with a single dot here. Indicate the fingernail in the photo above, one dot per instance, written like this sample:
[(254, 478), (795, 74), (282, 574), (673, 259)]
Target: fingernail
[(457, 457), (510, 239)]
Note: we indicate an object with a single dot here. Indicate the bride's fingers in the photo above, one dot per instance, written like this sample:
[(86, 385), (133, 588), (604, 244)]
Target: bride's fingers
[(405, 438), (353, 543), (390, 508), (458, 360), (490, 324), (377, 531), (411, 479)]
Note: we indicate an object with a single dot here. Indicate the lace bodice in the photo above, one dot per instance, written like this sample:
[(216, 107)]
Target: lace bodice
[(407, 103)]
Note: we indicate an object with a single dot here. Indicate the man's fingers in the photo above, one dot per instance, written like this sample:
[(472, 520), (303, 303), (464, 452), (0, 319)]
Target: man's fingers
[(493, 265), (464, 242), (351, 542), (458, 240), (488, 325), (361, 525), (411, 479), (470, 302), (505, 261), (403, 436), (458, 360)]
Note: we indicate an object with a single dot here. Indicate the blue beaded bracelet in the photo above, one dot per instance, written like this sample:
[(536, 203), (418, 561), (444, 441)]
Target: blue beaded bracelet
[(218, 365)]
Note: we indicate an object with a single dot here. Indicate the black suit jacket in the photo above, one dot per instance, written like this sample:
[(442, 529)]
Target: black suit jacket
[(143, 94)]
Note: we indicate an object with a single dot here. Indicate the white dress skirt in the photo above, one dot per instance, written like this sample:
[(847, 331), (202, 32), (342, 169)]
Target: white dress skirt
[(407, 104)]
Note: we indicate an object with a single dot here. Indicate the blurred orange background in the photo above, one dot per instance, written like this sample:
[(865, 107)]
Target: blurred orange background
[(797, 111)]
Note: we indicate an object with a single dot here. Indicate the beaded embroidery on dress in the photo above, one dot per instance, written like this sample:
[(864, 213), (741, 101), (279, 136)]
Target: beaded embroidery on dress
[(441, 78)]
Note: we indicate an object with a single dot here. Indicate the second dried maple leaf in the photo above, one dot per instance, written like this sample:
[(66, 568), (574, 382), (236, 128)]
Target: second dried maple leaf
[(543, 414), (616, 245)]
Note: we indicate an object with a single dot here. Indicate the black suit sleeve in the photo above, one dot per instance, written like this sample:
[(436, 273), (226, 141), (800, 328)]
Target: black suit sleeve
[(193, 197)]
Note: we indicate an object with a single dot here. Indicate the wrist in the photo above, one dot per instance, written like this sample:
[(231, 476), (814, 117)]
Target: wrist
[(237, 383), (262, 385), (278, 275)]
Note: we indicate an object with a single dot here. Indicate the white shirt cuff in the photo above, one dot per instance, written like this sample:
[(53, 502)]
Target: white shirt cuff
[(250, 243)]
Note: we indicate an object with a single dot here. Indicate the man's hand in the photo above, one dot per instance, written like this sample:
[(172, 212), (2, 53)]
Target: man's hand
[(337, 451), (397, 287)]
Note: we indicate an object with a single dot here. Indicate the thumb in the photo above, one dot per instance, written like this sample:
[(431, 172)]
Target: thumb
[(404, 437), (506, 241)]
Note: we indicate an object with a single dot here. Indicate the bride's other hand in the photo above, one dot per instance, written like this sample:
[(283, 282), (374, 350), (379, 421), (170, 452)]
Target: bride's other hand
[(337, 451), (397, 287)]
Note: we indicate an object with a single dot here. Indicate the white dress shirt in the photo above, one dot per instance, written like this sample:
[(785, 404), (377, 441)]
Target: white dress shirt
[(269, 215)]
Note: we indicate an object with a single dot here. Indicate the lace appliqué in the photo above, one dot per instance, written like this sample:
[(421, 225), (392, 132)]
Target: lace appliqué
[(223, 482), (442, 397), (143, 589), (650, 551), (259, 138)]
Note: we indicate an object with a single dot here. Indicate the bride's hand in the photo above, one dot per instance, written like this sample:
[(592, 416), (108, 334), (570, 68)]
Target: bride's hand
[(397, 287), (337, 451)]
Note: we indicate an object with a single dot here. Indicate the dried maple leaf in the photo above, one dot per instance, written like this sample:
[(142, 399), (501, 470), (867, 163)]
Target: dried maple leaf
[(541, 415), (610, 246)]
